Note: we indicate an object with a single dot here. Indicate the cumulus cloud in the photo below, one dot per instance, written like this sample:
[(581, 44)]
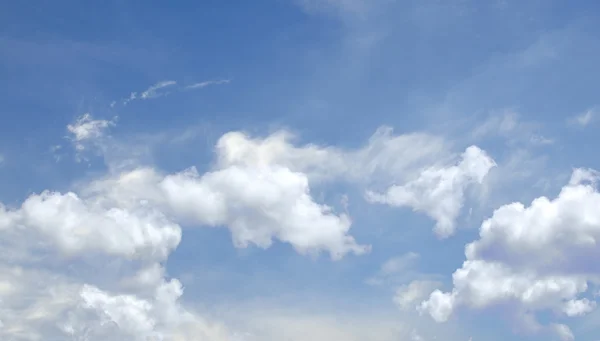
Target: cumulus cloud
[(274, 162), (420, 165), (38, 304), (50, 288), (536, 257), (439, 192), (160, 317), (260, 189), (384, 155), (75, 225), (257, 204)]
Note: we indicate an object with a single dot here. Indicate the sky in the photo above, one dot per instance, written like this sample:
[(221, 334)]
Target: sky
[(385, 170)]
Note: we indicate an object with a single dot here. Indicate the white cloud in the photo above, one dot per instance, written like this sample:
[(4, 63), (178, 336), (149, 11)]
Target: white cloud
[(540, 140), (260, 189), (207, 83), (538, 257), (385, 155), (439, 192), (160, 89), (257, 204), (155, 90), (31, 302), (50, 288), (132, 97), (159, 317), (40, 305), (585, 118), (253, 194), (408, 296), (86, 128), (75, 225), (579, 307), (126, 311), (86, 133), (564, 332), (410, 160)]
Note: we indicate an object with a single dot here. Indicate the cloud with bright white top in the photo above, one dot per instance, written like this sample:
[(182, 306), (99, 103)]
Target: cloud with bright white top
[(260, 189), (327, 193), (532, 256)]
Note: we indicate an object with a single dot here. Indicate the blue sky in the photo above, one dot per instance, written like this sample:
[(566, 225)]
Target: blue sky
[(345, 153)]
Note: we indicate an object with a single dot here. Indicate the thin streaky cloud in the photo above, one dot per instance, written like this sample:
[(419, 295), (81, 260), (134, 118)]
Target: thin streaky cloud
[(132, 96), (153, 92), (208, 83), (157, 90)]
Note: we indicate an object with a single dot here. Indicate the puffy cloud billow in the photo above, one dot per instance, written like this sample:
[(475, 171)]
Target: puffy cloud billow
[(538, 257), (260, 189)]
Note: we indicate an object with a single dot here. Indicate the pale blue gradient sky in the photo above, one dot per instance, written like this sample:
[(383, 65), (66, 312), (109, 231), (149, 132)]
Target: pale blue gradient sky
[(332, 72)]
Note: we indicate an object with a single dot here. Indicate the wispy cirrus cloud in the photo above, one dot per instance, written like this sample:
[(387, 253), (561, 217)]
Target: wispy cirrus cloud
[(585, 118), (166, 87), (155, 90), (207, 83), (509, 125)]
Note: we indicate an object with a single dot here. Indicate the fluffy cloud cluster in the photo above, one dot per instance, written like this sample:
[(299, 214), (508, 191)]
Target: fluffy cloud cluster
[(39, 305), (410, 163), (439, 191), (257, 204), (539, 257), (160, 317), (388, 156), (75, 225), (58, 246)]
